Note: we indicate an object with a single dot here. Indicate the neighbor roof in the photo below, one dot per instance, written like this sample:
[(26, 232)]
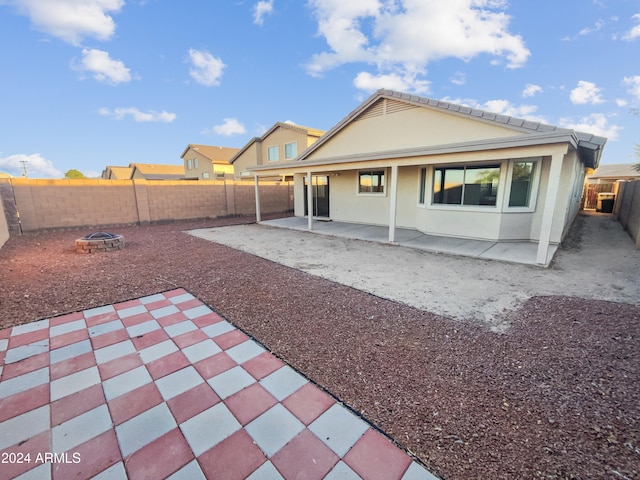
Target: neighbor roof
[(311, 132), (155, 171), (590, 146), (616, 170), (213, 152), (120, 173)]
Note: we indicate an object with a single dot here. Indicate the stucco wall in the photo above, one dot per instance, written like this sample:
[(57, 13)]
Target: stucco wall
[(628, 209), (50, 204), (4, 226)]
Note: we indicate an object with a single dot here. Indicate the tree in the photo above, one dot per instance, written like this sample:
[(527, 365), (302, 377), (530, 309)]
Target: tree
[(636, 166), (73, 173)]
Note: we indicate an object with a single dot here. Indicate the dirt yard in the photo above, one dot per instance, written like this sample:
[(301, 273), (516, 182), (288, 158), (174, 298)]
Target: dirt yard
[(556, 396)]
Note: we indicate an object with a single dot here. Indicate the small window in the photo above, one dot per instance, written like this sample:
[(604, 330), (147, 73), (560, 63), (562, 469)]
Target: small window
[(205, 174), (290, 150), (189, 164), (521, 181), (371, 181), (272, 154), (467, 185), (195, 163)]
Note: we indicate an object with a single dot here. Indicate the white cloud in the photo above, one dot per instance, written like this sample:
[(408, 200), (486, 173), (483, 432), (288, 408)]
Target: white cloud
[(103, 67), (37, 166), (229, 127), (260, 10), (586, 31), (621, 102), (408, 82), (501, 107), (459, 79), (585, 92), (137, 115), (634, 85), (635, 31), (596, 123), (206, 69), (71, 20), (530, 90), (403, 36)]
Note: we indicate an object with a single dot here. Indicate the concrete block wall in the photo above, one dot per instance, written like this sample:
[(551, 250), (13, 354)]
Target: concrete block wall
[(50, 204), (627, 209)]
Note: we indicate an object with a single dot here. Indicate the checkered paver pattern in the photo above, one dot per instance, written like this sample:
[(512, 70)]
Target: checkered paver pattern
[(163, 387)]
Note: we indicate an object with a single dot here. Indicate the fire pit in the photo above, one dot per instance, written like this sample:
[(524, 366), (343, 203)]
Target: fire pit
[(99, 242)]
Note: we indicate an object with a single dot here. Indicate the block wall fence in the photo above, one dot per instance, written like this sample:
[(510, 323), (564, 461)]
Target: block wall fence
[(32, 205), (627, 209)]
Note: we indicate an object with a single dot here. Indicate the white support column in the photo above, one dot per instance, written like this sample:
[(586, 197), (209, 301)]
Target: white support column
[(393, 202), (550, 203), (309, 201), (257, 189)]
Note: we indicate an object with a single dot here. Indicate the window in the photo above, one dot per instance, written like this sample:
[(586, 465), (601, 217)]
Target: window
[(205, 174), (195, 163), (521, 183), (272, 154), (371, 181), (423, 185), (466, 185), (189, 164), (290, 150)]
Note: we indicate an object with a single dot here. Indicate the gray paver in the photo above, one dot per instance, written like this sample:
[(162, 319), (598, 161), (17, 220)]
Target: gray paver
[(201, 350), (70, 434), (180, 328), (126, 382), (274, 429), (157, 351), (245, 351), (417, 472), (231, 381), (164, 311), (117, 350), (22, 427), (29, 327), (26, 351), (266, 472), (209, 428), (93, 312), (142, 328), (283, 382), (23, 382), (131, 311), (196, 312), (218, 328), (152, 298), (185, 297), (41, 472), (65, 386), (339, 429), (144, 428), (191, 471), (67, 328), (114, 472), (178, 382), (70, 351), (342, 471), (103, 328)]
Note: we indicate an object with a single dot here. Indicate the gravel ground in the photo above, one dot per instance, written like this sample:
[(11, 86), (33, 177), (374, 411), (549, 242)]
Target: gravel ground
[(556, 396)]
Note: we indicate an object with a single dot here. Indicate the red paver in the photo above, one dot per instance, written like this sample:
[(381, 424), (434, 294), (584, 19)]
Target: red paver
[(27, 338), (308, 403), (62, 319), (166, 365), (262, 365), (249, 403), (119, 365), (133, 403), (305, 457), (109, 338), (24, 402), (172, 318), (214, 365), (72, 365), (375, 457), (102, 318), (234, 458), (149, 339), (231, 339), (192, 402), (76, 404), (160, 458), (25, 366), (32, 447), (68, 338), (190, 338), (92, 457)]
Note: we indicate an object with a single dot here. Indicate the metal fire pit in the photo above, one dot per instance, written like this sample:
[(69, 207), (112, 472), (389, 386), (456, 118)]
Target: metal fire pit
[(99, 242)]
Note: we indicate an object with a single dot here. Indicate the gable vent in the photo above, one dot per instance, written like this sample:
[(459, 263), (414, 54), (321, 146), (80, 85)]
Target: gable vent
[(384, 106)]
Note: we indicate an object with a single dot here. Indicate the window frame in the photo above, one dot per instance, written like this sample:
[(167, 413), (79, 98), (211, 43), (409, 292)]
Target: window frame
[(429, 190), (273, 148), (295, 144), (534, 187), (385, 176)]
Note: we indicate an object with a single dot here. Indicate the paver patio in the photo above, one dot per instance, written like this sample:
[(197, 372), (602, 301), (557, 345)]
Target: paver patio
[(163, 387)]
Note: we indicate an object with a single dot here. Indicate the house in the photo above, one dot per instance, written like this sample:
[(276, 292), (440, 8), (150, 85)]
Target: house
[(280, 143), (117, 173), (400, 160), (156, 171), (207, 162)]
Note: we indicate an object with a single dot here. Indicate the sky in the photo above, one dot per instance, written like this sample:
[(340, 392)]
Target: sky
[(86, 84)]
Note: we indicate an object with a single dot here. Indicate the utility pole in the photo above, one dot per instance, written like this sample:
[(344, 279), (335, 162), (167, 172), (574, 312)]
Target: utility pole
[(24, 168)]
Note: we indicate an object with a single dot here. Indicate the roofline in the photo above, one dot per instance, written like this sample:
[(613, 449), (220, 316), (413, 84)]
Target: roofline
[(525, 126), (462, 147)]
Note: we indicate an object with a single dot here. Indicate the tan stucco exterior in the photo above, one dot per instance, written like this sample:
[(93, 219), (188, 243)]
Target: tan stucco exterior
[(207, 162), (256, 152)]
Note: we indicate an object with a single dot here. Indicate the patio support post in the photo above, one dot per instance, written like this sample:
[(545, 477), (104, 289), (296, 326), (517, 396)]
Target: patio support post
[(550, 203), (256, 181), (393, 202), (309, 201)]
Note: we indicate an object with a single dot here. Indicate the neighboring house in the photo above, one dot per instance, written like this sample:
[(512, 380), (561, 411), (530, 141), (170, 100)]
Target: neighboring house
[(207, 162), (606, 179), (117, 173), (282, 142), (5, 175), (400, 160), (156, 171)]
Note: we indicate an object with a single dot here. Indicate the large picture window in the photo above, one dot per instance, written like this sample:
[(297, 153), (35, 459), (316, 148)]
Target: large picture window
[(466, 185), (371, 181), (521, 183)]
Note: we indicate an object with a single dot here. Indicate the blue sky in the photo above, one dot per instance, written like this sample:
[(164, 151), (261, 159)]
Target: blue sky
[(90, 83)]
